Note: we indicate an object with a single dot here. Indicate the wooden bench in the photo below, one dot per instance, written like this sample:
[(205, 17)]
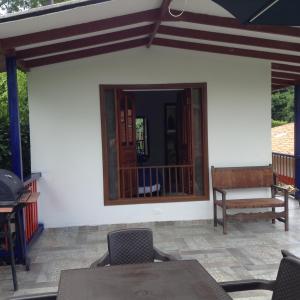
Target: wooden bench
[(242, 178)]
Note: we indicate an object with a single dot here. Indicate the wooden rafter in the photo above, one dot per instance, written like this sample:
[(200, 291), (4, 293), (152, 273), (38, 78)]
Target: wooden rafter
[(84, 42), (284, 75), (162, 12), (228, 38), (227, 50), (285, 82), (85, 53), (204, 19), (277, 87), (157, 15), (161, 42), (286, 68), (166, 30), (274, 83), (78, 29)]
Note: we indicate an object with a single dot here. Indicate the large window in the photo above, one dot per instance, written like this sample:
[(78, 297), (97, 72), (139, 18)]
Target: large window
[(126, 141)]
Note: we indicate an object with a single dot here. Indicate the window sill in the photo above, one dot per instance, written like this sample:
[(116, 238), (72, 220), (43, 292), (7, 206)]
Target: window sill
[(149, 200)]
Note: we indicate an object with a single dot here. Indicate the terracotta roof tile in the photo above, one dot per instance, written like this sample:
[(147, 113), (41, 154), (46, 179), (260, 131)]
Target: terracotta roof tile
[(283, 139)]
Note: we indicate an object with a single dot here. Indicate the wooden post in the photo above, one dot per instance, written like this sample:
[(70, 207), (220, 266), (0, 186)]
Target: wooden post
[(14, 120), (297, 140)]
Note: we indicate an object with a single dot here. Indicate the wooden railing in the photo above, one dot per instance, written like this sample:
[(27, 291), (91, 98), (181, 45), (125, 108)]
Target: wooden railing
[(284, 167), (156, 181), (30, 211)]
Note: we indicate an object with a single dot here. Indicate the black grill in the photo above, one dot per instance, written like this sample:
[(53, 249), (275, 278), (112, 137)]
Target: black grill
[(11, 188)]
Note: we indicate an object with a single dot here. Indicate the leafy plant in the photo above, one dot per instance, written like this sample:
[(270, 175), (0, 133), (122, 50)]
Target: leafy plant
[(10, 6), (5, 154), (283, 105), (276, 123)]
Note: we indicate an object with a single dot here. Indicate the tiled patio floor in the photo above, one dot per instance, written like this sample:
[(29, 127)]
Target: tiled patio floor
[(250, 250)]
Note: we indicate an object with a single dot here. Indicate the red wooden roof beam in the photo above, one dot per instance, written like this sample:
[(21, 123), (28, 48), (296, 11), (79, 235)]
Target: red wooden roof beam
[(226, 50), (84, 42), (85, 53), (286, 68), (285, 82), (199, 18), (134, 18), (228, 38), (284, 75), (162, 12), (78, 29)]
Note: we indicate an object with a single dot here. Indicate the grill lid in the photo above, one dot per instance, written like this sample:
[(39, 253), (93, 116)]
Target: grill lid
[(11, 187)]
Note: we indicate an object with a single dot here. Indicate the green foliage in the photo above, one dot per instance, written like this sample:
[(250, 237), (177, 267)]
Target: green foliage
[(10, 6), (276, 123), (5, 155), (283, 105)]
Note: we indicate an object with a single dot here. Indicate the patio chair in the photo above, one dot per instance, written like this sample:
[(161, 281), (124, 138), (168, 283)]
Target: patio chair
[(286, 253), (131, 246), (286, 286)]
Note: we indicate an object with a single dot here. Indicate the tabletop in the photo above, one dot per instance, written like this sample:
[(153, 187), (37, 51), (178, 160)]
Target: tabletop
[(183, 279)]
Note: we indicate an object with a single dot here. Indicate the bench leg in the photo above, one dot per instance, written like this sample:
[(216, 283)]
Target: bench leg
[(286, 211), (224, 225), (286, 221), (224, 221), (273, 210), (215, 215)]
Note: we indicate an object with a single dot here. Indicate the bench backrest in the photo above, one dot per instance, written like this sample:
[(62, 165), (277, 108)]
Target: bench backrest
[(242, 177)]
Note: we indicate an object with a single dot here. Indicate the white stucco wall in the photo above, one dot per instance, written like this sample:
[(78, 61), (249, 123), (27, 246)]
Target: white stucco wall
[(65, 127)]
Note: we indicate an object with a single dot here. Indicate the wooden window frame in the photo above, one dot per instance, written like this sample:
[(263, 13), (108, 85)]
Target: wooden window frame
[(164, 199)]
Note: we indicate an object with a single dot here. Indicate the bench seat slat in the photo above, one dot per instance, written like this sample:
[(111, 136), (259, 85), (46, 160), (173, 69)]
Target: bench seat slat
[(252, 203)]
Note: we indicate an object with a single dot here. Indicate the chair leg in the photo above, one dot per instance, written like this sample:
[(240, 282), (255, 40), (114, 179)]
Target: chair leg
[(273, 210), (215, 215), (12, 255)]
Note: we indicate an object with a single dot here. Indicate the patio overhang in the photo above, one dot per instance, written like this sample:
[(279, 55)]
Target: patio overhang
[(81, 29)]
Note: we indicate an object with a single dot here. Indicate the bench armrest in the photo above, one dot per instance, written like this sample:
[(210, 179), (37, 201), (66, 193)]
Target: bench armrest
[(285, 192), (247, 285), (223, 192), (280, 188)]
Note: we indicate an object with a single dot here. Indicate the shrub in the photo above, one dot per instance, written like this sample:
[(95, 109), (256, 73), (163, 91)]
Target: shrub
[(276, 123), (5, 154)]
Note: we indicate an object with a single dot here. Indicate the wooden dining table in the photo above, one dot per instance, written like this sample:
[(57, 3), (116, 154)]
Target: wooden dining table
[(183, 279)]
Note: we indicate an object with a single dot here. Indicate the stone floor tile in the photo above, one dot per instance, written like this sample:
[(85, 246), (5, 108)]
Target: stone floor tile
[(249, 250)]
